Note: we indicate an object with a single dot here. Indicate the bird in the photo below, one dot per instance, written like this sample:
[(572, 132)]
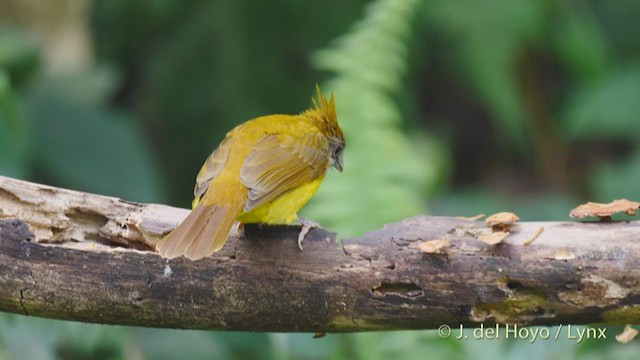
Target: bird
[(264, 171)]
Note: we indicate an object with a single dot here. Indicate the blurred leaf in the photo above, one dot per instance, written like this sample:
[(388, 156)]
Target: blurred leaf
[(616, 180), (405, 345), (477, 346), (13, 141), (609, 348), (91, 87), (535, 207), (620, 22), (18, 54), (465, 17), (469, 202), (93, 150), (245, 345), (305, 347), (36, 338), (490, 36), (125, 30), (491, 66), (608, 109), (581, 44), (167, 344), (81, 341), (28, 338), (547, 206)]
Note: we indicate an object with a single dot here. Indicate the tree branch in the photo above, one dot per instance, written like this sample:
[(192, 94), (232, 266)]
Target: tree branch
[(84, 257)]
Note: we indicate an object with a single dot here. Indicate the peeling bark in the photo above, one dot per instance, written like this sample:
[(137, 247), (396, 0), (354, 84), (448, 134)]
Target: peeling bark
[(84, 257)]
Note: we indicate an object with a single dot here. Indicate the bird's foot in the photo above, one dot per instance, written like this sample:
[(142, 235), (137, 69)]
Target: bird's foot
[(307, 225), (238, 230)]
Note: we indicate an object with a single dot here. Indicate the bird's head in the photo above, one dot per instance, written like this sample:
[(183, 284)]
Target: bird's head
[(324, 114)]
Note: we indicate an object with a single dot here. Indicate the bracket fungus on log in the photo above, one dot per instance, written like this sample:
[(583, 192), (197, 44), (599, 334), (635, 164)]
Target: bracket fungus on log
[(605, 211)]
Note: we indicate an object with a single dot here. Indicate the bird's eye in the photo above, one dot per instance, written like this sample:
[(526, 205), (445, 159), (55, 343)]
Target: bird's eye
[(337, 151)]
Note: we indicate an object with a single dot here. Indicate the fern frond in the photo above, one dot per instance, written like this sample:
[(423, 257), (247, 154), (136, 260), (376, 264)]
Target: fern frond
[(384, 178)]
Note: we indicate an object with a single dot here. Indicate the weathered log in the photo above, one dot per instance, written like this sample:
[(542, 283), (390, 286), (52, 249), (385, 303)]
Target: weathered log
[(85, 257)]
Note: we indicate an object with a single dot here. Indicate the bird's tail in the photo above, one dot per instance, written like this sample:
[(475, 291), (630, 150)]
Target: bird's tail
[(203, 232)]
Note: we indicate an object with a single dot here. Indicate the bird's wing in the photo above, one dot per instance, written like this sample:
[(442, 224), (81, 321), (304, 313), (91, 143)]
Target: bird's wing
[(211, 168), (280, 164)]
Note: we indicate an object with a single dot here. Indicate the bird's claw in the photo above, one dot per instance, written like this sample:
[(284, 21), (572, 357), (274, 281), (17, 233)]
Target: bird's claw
[(307, 225), (238, 230)]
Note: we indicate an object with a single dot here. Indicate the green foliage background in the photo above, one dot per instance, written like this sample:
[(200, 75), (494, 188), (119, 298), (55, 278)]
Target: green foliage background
[(450, 107)]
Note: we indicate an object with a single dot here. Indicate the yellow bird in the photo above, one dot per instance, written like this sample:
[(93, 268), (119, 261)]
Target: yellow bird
[(264, 171)]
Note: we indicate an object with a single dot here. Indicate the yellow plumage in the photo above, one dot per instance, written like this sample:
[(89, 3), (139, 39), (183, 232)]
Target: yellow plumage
[(264, 171), (282, 210)]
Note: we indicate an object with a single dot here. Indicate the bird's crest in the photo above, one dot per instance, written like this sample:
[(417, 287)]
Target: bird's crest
[(326, 107), (324, 112)]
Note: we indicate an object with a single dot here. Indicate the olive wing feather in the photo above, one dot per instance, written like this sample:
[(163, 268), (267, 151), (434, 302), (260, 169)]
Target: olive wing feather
[(211, 168), (279, 164)]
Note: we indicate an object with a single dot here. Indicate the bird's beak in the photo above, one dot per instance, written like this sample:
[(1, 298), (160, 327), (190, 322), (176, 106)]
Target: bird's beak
[(338, 164)]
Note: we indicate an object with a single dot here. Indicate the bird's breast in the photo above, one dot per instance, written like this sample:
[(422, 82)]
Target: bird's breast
[(284, 209)]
